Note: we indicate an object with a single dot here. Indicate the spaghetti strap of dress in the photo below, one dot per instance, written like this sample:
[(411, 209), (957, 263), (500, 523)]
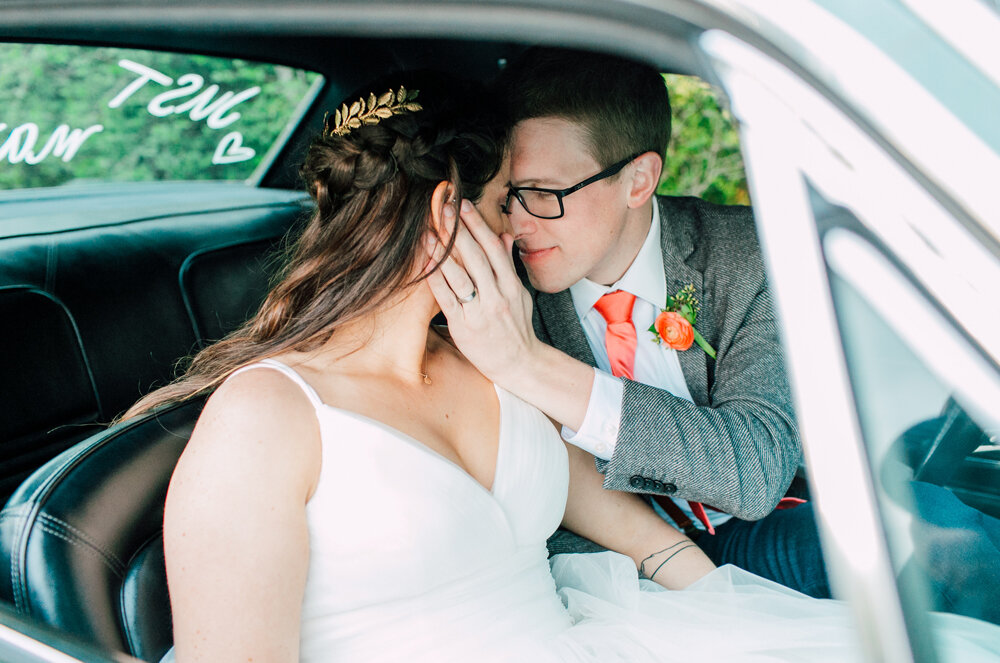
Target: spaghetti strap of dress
[(290, 373)]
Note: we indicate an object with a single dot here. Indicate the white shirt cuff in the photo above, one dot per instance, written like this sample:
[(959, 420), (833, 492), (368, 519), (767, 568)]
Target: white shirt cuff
[(599, 432)]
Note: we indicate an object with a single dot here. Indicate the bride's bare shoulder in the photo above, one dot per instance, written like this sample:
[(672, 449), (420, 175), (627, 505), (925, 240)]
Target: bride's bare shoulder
[(257, 415), (244, 478), (260, 394)]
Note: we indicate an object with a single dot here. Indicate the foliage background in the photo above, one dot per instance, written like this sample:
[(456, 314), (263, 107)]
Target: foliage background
[(57, 84), (703, 158)]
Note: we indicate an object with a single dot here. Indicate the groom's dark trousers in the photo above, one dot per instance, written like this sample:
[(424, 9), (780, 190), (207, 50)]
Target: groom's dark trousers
[(783, 547)]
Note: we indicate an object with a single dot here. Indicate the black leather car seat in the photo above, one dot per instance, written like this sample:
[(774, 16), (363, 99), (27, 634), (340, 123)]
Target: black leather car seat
[(81, 541), (49, 397), (103, 289)]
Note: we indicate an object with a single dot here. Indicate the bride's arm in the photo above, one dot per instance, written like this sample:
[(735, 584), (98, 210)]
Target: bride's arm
[(623, 522), (235, 536)]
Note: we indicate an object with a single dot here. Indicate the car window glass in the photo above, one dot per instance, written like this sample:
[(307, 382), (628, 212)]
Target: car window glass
[(934, 451), (75, 114)]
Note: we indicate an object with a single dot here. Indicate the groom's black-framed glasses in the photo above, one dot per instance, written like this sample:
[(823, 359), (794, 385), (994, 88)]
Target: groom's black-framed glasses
[(548, 203)]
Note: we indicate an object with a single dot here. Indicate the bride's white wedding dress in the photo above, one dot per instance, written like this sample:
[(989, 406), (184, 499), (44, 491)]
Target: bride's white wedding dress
[(411, 559)]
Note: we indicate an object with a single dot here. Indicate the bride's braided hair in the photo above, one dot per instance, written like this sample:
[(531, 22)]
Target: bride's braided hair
[(372, 189)]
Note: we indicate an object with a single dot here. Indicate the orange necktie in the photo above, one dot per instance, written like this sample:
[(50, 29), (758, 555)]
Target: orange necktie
[(620, 340), (616, 309)]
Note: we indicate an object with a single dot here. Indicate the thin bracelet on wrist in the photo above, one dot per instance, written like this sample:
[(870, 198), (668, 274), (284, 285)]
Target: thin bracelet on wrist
[(669, 557)]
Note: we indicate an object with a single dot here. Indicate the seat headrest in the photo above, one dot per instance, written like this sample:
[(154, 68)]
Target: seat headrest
[(224, 286)]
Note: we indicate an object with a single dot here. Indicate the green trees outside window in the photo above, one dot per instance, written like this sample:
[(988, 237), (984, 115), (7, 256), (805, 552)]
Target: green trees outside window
[(73, 113), (703, 158)]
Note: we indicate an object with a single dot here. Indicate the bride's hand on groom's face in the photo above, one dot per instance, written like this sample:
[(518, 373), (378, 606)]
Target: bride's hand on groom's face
[(493, 328)]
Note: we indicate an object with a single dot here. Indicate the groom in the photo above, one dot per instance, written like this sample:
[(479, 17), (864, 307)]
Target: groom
[(602, 255)]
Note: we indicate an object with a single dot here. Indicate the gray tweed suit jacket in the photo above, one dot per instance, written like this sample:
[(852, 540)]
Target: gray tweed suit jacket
[(737, 446)]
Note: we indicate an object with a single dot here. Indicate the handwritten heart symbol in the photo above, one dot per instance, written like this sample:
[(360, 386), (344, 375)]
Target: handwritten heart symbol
[(231, 149)]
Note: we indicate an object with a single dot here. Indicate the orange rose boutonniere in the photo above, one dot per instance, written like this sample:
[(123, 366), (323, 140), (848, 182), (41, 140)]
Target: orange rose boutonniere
[(675, 324), (675, 330)]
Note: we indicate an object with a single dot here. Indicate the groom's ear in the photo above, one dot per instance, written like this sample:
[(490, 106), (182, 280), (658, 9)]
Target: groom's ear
[(645, 178), (442, 225)]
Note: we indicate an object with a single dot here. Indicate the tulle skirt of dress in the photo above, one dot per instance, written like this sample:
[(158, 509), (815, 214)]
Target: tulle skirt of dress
[(615, 617), (729, 615)]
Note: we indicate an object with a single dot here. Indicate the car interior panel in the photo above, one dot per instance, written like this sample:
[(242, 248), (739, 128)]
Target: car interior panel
[(223, 286), (53, 401), (111, 309)]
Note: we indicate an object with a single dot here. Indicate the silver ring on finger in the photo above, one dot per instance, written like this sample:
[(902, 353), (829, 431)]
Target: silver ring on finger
[(469, 297)]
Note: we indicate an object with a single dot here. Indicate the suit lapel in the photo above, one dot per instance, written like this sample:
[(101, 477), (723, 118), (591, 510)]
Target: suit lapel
[(678, 244), (565, 332), (563, 327)]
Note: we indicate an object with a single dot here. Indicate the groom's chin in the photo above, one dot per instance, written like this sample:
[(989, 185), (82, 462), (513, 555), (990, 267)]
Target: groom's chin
[(547, 285), (541, 280)]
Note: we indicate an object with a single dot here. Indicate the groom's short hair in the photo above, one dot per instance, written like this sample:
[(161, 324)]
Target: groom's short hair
[(621, 104)]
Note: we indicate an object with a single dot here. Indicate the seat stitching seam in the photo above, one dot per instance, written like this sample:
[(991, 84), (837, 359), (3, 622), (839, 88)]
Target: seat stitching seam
[(15, 579), (82, 536), (115, 566), (15, 568)]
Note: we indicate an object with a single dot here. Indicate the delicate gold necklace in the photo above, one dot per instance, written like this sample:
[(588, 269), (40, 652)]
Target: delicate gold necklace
[(425, 376), (422, 374)]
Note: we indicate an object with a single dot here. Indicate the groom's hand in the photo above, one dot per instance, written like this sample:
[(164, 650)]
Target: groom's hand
[(493, 328)]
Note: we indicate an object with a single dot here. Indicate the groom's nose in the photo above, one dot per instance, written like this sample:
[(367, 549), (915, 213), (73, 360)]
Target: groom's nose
[(521, 223)]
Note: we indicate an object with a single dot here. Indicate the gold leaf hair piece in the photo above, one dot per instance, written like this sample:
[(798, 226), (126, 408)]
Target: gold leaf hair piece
[(370, 111)]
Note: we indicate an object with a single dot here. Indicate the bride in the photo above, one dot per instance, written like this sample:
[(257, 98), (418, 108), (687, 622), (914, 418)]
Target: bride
[(356, 491)]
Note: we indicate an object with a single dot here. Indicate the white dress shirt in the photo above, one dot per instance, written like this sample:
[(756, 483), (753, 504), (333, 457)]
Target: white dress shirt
[(655, 363)]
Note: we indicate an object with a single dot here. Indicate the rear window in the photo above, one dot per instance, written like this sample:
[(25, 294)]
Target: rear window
[(71, 113)]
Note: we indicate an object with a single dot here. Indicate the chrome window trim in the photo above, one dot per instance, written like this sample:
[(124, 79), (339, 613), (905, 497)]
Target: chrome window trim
[(17, 647), (948, 260), (969, 26), (14, 642), (27, 646), (958, 271), (850, 528), (939, 145)]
